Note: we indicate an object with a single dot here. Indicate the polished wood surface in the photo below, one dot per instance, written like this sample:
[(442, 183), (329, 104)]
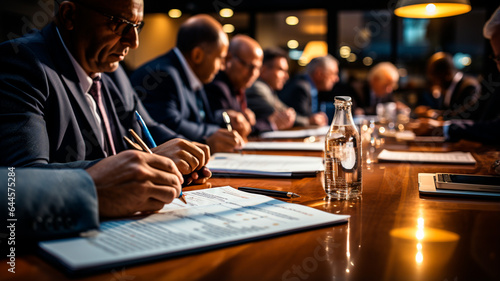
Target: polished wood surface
[(393, 234)]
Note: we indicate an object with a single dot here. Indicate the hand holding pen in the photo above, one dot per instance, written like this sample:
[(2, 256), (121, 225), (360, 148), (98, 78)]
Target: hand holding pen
[(189, 157), (146, 148)]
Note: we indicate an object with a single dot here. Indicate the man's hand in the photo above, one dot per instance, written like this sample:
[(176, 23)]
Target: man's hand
[(250, 116), (319, 119), (134, 181), (283, 119), (187, 156), (225, 141), (426, 127), (239, 123)]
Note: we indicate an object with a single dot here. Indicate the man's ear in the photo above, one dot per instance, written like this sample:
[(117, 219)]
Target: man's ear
[(66, 15), (197, 55)]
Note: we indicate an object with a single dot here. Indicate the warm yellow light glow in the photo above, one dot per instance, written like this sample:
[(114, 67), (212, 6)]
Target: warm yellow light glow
[(226, 13), (352, 57), (344, 51), (420, 234), (175, 13), (420, 223), (419, 258), (381, 130), (367, 61), (292, 20), (419, 246), (314, 49), (431, 10), (228, 28), (292, 44)]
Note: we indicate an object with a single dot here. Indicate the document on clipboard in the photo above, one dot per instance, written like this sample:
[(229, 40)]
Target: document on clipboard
[(213, 218)]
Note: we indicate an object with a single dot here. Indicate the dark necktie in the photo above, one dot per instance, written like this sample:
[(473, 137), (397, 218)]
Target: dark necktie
[(242, 100), (200, 105), (95, 92)]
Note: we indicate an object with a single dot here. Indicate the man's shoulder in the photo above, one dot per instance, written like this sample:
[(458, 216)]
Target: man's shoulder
[(259, 88), (33, 43), (159, 68)]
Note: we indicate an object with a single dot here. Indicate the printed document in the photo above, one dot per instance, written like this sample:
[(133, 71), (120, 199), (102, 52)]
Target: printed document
[(456, 157), (295, 146), (213, 218), (264, 165)]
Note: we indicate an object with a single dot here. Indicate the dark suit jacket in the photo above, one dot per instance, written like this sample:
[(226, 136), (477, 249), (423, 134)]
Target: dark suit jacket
[(44, 115), (222, 96), (47, 204), (487, 129), (297, 94), (263, 101), (464, 102), (169, 98), (365, 101)]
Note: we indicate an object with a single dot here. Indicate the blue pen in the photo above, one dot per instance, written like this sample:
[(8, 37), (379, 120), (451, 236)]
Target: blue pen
[(145, 130), (151, 142)]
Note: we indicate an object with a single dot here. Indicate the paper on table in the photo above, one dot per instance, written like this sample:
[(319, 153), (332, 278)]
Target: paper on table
[(428, 157), (264, 165), (216, 218), (299, 146), (292, 134)]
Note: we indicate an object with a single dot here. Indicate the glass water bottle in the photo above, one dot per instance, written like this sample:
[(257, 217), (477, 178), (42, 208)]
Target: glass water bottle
[(343, 154)]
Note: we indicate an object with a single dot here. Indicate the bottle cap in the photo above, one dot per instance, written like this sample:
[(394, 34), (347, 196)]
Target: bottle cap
[(343, 98)]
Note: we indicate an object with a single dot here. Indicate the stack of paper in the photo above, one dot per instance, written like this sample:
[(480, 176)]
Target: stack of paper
[(233, 164), (214, 218)]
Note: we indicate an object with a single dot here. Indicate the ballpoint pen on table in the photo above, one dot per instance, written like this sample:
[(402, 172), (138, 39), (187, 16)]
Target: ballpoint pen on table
[(227, 120), (146, 148), (269, 192), (145, 130)]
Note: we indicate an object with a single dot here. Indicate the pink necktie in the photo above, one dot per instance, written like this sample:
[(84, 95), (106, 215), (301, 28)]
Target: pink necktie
[(95, 92)]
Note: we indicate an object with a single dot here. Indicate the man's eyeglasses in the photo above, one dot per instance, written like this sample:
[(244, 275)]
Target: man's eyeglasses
[(250, 66), (120, 26), (495, 58)]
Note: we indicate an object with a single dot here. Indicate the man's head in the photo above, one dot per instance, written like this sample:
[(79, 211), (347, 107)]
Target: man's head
[(243, 61), (324, 72), (99, 34), (383, 78), (491, 31), (441, 70), (204, 45), (274, 71)]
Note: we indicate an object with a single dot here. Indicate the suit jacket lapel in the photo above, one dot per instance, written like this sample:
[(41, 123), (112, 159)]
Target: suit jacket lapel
[(188, 92), (70, 79)]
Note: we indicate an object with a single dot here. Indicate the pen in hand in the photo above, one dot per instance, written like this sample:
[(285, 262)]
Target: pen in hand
[(227, 120), (146, 148)]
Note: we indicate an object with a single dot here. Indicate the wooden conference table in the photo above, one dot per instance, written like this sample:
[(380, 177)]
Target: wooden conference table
[(381, 241)]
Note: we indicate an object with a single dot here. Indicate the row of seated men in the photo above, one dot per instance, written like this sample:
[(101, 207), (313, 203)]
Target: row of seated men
[(66, 103)]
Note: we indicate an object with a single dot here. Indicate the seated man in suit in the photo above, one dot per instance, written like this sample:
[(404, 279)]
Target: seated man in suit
[(270, 112), (302, 92), (50, 203), (381, 81), (487, 128), (227, 91), (172, 84), (453, 95), (58, 105)]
